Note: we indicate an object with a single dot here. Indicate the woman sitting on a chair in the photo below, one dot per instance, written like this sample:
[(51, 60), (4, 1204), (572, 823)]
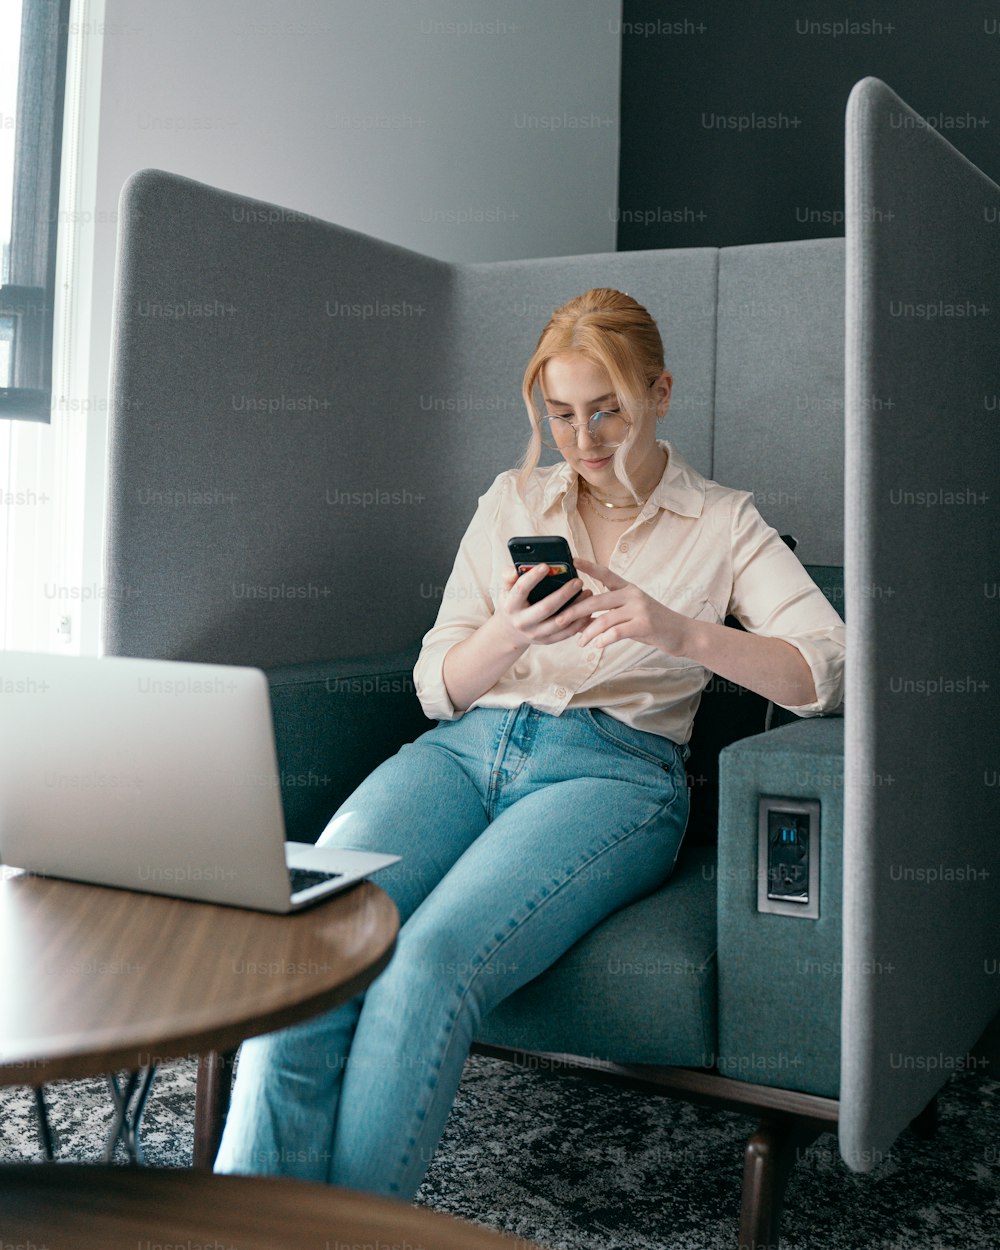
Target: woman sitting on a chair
[(552, 790)]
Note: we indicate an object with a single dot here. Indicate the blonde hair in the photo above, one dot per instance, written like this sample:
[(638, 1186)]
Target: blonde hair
[(614, 331)]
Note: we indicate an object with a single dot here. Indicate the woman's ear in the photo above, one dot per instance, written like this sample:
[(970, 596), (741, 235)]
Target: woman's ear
[(662, 388)]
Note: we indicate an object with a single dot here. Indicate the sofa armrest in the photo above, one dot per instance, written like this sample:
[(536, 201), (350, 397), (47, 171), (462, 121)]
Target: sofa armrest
[(780, 975), (334, 722)]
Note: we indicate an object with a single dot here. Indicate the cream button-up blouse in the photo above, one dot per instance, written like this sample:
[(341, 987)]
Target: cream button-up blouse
[(698, 547)]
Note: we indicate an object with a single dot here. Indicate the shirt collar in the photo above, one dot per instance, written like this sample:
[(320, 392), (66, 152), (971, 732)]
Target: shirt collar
[(681, 489)]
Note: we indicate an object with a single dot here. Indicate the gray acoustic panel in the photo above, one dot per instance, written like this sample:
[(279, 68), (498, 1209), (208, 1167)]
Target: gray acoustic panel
[(269, 474), (921, 845), (779, 403)]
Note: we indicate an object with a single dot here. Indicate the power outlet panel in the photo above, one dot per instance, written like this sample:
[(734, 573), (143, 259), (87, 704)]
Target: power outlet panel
[(788, 837)]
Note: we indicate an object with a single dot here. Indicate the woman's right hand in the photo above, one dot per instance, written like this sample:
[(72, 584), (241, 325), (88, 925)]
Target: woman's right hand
[(537, 622)]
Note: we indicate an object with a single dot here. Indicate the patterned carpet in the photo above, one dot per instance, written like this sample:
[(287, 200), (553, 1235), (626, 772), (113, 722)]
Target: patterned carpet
[(575, 1165)]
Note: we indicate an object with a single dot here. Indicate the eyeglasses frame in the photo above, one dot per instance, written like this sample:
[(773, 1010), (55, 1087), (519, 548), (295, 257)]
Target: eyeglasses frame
[(577, 426)]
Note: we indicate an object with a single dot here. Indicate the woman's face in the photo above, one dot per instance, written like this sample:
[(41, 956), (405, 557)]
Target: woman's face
[(575, 387)]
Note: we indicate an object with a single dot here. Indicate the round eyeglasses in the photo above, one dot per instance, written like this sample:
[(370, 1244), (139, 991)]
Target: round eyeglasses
[(609, 429)]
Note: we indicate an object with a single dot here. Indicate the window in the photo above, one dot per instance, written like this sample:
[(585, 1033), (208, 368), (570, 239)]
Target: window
[(33, 35), (43, 459)]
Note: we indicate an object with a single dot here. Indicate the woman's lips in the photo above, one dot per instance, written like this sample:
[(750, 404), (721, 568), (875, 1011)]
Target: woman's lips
[(596, 464)]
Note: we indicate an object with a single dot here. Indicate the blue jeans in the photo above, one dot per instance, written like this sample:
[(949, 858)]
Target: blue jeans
[(519, 832)]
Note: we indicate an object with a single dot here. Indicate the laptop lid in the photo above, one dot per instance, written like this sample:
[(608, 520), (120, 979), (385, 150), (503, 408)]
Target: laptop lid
[(155, 775)]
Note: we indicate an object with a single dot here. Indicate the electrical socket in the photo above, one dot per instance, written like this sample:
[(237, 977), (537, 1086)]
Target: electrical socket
[(788, 857)]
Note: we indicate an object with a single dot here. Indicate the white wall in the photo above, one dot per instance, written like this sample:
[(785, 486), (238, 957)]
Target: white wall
[(481, 130)]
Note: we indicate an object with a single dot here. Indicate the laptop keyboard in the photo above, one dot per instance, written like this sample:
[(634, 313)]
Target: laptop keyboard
[(303, 878)]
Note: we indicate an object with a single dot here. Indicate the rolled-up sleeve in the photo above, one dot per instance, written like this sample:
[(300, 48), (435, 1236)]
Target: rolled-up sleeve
[(773, 595), (467, 601)]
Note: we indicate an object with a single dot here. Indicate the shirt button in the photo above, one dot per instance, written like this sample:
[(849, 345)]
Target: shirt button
[(593, 656), (623, 547), (560, 692)]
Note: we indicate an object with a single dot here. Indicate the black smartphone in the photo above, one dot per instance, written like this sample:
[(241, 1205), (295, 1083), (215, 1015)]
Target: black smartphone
[(550, 549)]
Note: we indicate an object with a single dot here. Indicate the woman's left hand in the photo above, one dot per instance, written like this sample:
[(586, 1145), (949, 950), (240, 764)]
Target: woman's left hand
[(628, 612)]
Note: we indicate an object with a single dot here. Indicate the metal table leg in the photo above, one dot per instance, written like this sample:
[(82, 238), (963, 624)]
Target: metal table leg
[(125, 1126), (50, 1143)]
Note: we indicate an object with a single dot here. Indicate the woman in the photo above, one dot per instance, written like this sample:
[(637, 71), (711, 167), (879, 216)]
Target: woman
[(552, 791)]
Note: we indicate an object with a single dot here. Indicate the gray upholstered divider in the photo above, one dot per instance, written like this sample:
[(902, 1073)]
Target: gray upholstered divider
[(779, 404), (266, 367), (303, 417), (922, 856)]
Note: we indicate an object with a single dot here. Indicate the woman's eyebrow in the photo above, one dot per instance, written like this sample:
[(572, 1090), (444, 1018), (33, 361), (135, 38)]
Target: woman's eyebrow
[(561, 403)]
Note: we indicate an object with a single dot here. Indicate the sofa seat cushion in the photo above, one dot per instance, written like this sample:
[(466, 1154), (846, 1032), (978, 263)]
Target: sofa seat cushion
[(639, 988)]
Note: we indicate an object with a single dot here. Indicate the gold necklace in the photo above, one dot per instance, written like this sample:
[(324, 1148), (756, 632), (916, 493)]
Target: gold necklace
[(612, 520), (605, 504), (592, 494)]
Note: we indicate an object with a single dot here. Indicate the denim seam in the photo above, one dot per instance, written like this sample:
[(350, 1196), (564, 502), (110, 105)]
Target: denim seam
[(499, 777), (530, 732), (420, 1112), (501, 739)]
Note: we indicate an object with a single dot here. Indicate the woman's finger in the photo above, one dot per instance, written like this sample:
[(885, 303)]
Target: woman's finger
[(601, 572), (555, 602), (526, 582), (599, 626)]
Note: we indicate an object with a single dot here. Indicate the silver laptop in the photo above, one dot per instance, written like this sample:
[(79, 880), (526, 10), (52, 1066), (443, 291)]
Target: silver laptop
[(154, 775)]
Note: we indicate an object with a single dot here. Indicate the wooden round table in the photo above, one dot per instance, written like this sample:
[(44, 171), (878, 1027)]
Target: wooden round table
[(94, 979), (69, 1207)]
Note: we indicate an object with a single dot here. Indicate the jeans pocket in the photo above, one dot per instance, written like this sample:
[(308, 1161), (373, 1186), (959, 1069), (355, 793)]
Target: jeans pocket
[(631, 741)]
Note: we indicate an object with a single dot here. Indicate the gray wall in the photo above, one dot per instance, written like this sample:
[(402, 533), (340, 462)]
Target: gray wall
[(486, 130), (477, 131)]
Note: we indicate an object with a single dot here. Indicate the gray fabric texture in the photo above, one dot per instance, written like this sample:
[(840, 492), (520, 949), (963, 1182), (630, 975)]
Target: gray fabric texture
[(921, 855), (779, 399), (267, 373)]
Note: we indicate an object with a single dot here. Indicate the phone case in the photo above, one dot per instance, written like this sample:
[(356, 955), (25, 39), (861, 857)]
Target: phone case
[(550, 549)]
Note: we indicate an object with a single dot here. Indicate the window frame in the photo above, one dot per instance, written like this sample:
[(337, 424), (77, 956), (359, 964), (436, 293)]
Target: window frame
[(29, 295)]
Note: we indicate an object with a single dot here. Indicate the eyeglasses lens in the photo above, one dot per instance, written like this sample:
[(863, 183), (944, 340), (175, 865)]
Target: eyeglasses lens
[(607, 428)]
